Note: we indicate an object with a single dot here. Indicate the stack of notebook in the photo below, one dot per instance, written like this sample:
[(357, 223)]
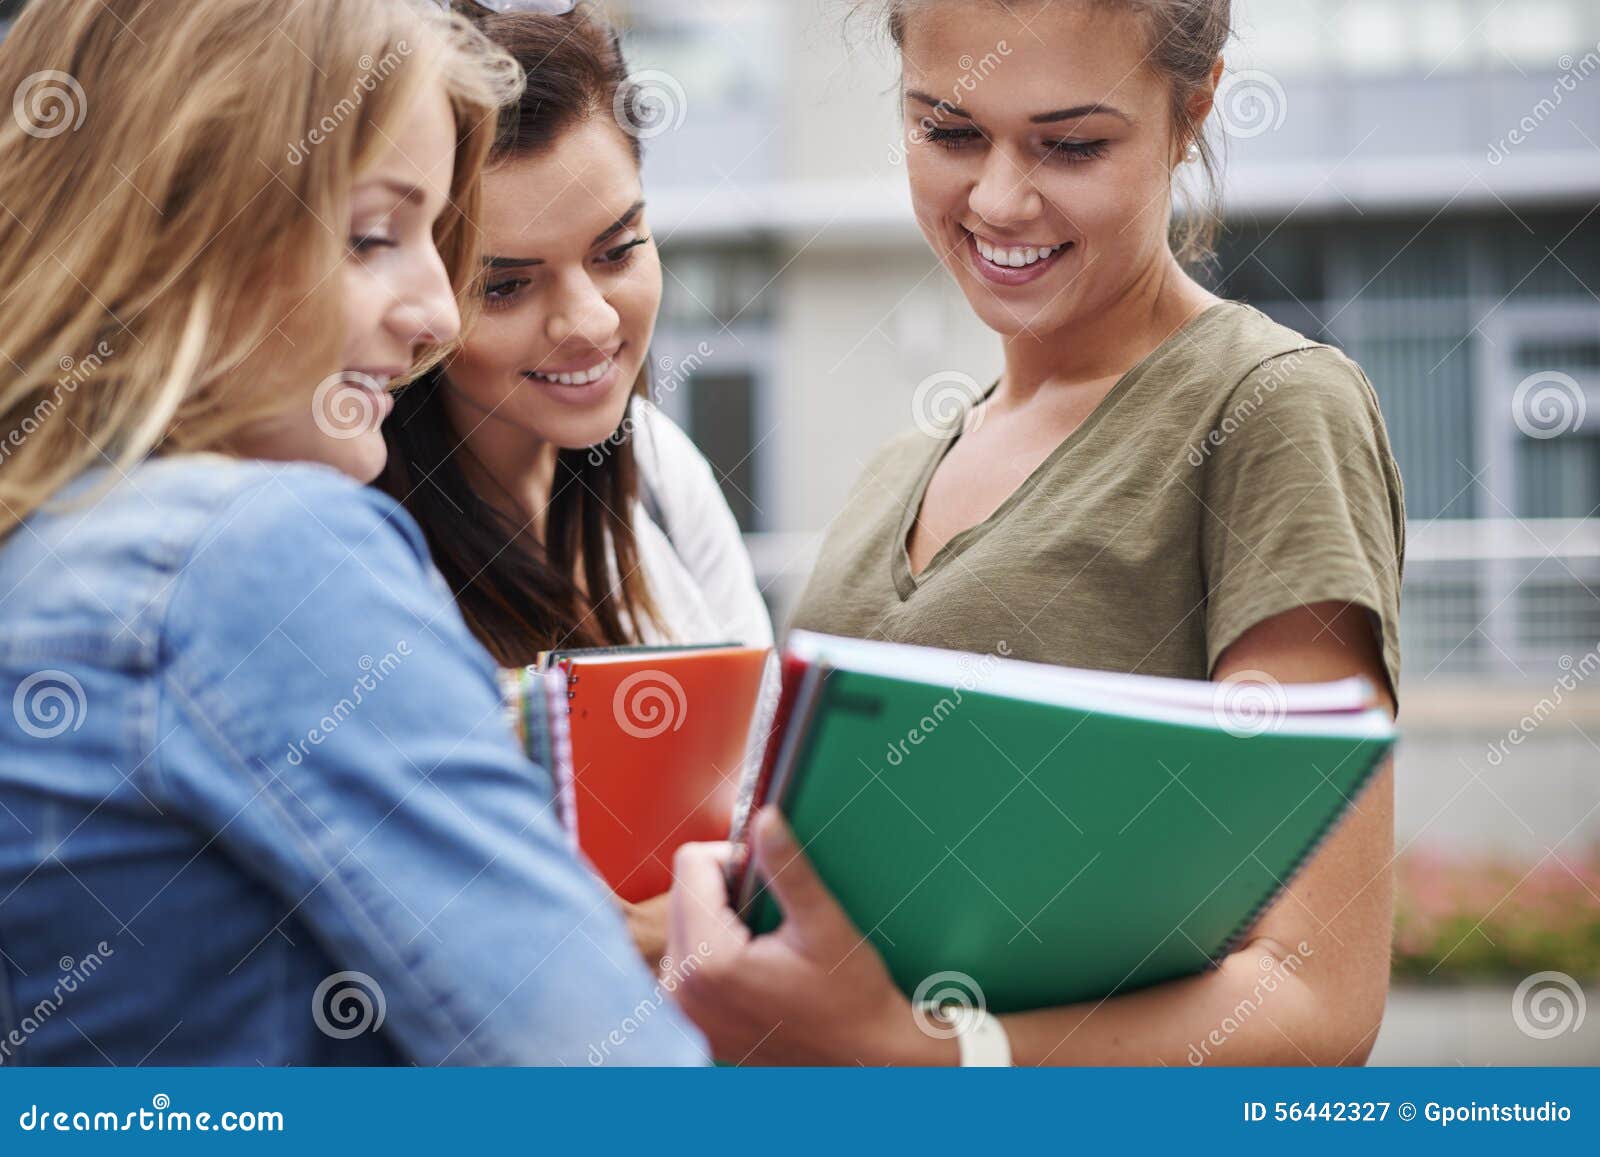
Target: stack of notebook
[(1056, 835)]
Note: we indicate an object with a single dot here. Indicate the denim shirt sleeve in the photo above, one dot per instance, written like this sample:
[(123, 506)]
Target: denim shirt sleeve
[(344, 743)]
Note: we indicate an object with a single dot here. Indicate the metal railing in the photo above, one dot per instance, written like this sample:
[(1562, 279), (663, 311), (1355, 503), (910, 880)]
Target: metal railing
[(1498, 598)]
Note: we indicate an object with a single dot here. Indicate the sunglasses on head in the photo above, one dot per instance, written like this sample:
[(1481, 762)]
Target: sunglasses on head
[(505, 7)]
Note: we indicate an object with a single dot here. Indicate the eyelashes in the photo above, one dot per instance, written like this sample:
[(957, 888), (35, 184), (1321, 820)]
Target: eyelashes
[(500, 294), (951, 138), (620, 255), (371, 242), (1068, 152), (1076, 152), (505, 293)]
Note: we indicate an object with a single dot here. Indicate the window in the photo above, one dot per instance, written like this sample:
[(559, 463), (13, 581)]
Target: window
[(1422, 36), (722, 421)]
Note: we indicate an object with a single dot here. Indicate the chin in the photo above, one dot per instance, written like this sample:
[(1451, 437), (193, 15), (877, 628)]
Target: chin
[(584, 426), (1004, 318), (362, 458), (581, 435)]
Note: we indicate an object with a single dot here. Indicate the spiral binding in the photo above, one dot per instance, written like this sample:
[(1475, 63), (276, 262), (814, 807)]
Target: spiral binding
[(1329, 826), (555, 692)]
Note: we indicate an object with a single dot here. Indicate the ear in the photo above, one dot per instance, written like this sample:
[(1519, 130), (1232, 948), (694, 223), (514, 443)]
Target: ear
[(1200, 104), (1198, 107)]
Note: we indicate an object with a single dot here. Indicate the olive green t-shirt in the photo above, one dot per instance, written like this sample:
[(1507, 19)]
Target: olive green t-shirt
[(1240, 471)]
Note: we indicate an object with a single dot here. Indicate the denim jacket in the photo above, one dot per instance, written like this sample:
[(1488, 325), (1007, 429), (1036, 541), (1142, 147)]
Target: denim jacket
[(258, 803)]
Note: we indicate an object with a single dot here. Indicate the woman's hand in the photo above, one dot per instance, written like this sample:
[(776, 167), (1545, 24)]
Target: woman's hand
[(815, 992), (647, 923)]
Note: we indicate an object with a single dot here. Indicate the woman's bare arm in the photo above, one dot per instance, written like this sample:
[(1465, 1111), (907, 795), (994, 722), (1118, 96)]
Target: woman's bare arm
[(1309, 987)]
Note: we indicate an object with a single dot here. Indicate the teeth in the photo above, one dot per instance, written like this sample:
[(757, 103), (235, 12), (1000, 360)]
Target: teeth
[(1017, 258), (581, 378)]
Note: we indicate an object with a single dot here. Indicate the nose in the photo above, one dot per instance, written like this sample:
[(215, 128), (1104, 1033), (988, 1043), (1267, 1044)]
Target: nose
[(427, 313), (1004, 195), (581, 314)]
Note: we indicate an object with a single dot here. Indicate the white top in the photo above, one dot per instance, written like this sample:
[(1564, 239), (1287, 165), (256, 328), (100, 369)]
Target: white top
[(697, 568)]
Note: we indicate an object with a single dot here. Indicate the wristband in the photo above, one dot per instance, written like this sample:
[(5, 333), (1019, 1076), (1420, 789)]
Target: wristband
[(982, 1038)]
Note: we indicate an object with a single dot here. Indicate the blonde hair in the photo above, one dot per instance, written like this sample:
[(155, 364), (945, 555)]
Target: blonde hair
[(176, 180), (1187, 37)]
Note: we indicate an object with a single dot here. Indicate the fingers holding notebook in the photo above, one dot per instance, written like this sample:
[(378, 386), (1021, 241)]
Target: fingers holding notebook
[(813, 992)]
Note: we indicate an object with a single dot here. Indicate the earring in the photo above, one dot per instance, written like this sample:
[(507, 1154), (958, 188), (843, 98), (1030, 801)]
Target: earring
[(1191, 155)]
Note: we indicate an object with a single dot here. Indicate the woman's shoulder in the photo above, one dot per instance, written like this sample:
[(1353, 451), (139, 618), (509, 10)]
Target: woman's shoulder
[(124, 530), (177, 552), (264, 540), (298, 531), (1233, 342), (255, 511), (1236, 361)]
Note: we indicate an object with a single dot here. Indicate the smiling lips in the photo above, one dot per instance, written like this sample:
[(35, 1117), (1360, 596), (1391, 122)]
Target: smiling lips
[(579, 384), (1012, 265), (577, 377), (575, 373)]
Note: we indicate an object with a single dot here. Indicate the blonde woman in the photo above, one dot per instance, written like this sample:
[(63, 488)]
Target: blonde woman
[(255, 770)]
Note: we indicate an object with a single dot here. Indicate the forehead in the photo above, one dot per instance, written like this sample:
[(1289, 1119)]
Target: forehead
[(997, 61), (419, 145), (564, 197)]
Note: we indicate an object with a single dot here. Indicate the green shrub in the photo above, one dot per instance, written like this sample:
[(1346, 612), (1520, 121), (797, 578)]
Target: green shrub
[(1459, 919)]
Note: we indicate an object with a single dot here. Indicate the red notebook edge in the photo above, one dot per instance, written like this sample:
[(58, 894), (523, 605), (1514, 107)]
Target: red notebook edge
[(742, 887)]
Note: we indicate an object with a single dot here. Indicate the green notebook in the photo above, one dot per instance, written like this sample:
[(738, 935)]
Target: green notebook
[(1055, 835)]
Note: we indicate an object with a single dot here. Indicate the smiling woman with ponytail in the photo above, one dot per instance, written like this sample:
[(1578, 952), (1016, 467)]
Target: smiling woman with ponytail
[(1071, 517)]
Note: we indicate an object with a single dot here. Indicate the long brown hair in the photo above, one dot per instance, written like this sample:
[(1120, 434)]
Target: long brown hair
[(168, 161), (582, 586)]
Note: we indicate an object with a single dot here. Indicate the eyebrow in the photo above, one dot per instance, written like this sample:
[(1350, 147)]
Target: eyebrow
[(937, 105), (402, 191), (621, 223), (1076, 112), (1080, 112)]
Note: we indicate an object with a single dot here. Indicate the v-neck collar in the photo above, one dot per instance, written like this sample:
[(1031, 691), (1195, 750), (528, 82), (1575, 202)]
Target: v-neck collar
[(907, 583)]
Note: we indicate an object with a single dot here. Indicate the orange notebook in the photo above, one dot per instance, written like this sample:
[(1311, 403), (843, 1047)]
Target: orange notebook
[(652, 753)]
